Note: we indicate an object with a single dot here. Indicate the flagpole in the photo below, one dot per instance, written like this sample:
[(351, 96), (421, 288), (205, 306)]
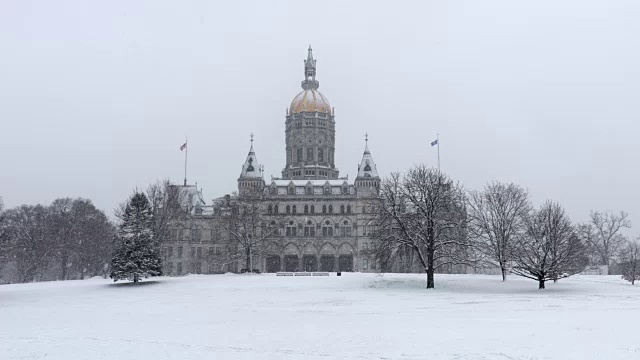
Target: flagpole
[(438, 140), (186, 151)]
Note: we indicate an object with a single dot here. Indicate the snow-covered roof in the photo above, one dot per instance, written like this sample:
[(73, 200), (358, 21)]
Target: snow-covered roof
[(367, 167), (251, 168), (332, 182)]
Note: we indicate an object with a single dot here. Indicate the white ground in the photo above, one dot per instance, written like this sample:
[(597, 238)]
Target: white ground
[(357, 316)]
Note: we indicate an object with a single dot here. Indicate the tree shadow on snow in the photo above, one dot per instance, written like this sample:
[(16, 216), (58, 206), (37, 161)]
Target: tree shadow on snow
[(132, 284)]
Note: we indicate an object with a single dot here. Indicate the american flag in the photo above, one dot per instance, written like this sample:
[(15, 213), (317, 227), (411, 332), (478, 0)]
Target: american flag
[(184, 146)]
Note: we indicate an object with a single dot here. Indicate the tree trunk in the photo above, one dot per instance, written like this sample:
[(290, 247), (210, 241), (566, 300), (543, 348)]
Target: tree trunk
[(135, 278), (248, 260), (430, 270), (63, 268), (541, 283), (504, 273)]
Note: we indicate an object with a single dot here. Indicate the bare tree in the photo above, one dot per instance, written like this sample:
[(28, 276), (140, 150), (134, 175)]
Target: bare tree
[(606, 239), (631, 261), (250, 233), (496, 217), (550, 248), (169, 202), (29, 243), (4, 238), (423, 211)]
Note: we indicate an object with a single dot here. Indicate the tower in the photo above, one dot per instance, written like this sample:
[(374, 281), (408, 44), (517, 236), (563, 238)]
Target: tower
[(251, 176), (310, 131), (368, 179)]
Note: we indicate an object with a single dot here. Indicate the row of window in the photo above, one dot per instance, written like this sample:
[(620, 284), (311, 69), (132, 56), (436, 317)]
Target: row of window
[(196, 234), (308, 209), (195, 267), (196, 251), (309, 190)]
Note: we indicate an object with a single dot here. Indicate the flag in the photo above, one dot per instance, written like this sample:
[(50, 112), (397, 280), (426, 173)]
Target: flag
[(184, 146), (433, 143)]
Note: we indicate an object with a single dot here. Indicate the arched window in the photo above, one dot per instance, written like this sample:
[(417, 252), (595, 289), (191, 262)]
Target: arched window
[(275, 209), (306, 209), (294, 209), (313, 209), (309, 228), (270, 210), (345, 228), (327, 228), (291, 228), (288, 209), (330, 209), (341, 209), (348, 209), (324, 209)]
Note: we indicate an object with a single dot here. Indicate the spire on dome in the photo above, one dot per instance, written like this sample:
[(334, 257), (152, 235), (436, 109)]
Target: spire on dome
[(367, 168), (251, 167), (310, 81)]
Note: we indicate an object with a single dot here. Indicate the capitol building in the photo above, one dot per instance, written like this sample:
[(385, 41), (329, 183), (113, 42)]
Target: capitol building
[(322, 221)]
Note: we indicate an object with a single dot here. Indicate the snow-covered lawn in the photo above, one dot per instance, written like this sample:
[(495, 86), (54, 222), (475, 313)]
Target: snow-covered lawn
[(356, 316)]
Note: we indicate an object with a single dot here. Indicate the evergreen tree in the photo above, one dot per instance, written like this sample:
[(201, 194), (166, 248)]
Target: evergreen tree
[(137, 251)]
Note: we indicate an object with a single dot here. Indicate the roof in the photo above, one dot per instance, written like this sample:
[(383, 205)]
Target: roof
[(310, 100)]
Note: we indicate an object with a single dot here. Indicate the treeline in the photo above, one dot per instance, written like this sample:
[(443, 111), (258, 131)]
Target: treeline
[(68, 239), (426, 218)]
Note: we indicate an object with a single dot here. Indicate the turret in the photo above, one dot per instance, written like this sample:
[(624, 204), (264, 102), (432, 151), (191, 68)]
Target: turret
[(251, 176), (368, 178)]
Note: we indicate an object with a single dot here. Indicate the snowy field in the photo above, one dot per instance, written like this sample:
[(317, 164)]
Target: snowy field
[(357, 316)]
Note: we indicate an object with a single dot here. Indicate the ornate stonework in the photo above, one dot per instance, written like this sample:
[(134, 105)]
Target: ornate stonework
[(323, 221)]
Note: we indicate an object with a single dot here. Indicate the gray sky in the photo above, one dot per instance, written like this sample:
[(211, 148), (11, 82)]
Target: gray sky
[(97, 96)]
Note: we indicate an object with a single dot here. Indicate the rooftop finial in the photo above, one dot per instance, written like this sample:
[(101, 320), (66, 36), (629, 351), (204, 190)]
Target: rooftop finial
[(310, 81), (251, 139), (366, 143)]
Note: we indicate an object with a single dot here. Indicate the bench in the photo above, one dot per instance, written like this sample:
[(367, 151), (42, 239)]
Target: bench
[(284, 274)]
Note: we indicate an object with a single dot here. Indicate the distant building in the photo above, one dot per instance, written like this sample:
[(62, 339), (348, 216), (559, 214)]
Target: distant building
[(323, 219)]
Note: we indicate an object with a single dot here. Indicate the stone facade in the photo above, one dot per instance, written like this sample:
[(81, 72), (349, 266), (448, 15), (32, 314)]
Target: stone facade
[(323, 221)]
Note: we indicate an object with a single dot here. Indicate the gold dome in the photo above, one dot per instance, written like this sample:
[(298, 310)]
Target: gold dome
[(310, 100)]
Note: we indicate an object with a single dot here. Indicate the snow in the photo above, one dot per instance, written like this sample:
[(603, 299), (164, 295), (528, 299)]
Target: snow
[(356, 316)]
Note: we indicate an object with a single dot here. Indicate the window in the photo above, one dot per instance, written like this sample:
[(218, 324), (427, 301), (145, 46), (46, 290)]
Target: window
[(324, 209), (294, 210), (170, 251), (330, 209), (291, 228), (365, 246), (275, 209), (180, 234), (288, 209), (179, 252), (306, 209), (309, 229), (196, 235), (313, 209), (174, 234), (179, 269), (309, 154), (292, 190), (299, 155), (193, 252), (345, 228), (348, 209), (341, 209), (199, 252), (320, 155), (365, 264), (169, 268), (270, 209), (327, 228)]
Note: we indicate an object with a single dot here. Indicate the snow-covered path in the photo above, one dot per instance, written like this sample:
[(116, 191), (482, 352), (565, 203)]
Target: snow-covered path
[(357, 316)]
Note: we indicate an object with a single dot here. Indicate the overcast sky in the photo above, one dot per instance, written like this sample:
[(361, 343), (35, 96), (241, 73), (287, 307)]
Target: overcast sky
[(97, 96)]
